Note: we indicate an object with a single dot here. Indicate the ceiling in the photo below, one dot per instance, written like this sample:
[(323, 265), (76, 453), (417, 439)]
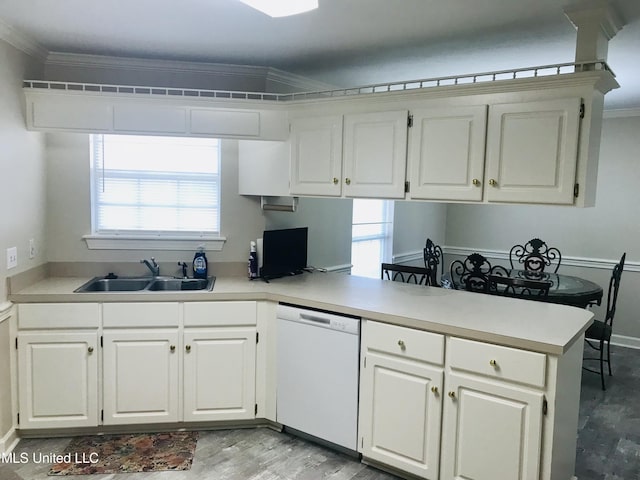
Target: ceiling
[(344, 42)]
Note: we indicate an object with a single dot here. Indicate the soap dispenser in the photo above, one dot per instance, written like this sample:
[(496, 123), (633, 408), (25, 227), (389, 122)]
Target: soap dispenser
[(200, 264)]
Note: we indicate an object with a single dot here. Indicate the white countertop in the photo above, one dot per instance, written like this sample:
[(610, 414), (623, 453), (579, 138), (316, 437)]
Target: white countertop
[(538, 326)]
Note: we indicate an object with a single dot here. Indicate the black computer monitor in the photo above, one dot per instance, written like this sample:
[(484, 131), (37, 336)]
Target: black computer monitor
[(284, 252)]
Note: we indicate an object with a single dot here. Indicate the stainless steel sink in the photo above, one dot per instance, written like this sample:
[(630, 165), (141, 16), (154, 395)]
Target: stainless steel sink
[(101, 284), (174, 284), (146, 284)]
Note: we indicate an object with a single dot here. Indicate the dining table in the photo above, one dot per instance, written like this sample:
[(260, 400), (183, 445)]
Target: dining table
[(565, 289)]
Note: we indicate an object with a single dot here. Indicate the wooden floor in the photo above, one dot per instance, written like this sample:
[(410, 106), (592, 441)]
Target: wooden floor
[(240, 454)]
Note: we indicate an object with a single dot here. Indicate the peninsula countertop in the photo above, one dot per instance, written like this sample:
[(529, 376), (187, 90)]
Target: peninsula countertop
[(538, 326)]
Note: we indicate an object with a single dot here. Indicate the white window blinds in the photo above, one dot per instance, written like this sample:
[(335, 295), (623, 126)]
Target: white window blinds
[(164, 186), (371, 236)]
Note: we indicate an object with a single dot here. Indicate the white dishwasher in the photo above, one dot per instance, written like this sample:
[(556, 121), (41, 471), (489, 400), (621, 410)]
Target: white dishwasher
[(317, 370)]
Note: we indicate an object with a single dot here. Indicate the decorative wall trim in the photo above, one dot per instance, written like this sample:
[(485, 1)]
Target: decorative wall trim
[(22, 42), (9, 441), (407, 257), (621, 113), (625, 341), (123, 242), (339, 268), (582, 262)]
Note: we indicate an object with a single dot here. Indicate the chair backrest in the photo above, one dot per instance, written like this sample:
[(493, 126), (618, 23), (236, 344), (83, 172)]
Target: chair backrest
[(404, 273), (473, 272), (519, 287), (433, 259), (614, 285), (535, 256)]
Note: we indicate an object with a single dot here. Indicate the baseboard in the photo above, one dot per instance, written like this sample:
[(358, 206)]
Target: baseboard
[(625, 341), (9, 441)]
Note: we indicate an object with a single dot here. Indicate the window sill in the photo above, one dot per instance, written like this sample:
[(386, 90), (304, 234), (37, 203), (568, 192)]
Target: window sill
[(139, 242)]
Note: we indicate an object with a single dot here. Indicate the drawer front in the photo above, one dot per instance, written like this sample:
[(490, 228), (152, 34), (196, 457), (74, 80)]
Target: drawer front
[(404, 342), (216, 314), (499, 362), (58, 315), (126, 315)]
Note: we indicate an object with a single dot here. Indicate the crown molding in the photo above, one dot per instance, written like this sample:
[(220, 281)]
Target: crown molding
[(105, 61), (622, 113), (297, 82), (22, 42)]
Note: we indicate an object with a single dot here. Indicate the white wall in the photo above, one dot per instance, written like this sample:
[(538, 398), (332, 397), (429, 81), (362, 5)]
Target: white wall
[(602, 232), (414, 222), (69, 209), (22, 190)]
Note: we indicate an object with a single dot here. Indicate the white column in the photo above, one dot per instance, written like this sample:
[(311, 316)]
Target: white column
[(597, 23)]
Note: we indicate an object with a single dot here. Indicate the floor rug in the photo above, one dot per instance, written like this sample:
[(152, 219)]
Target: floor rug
[(150, 452)]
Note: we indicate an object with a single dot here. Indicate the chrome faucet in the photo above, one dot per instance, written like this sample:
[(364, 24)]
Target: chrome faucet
[(152, 265)]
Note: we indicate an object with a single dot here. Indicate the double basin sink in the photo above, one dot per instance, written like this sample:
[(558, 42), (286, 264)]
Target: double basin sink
[(146, 284)]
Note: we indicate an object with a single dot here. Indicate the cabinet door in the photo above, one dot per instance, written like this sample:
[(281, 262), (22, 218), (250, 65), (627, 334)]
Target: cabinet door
[(58, 379), (219, 374), (491, 431), (316, 156), (446, 153), (532, 151), (400, 412), (375, 154), (141, 376)]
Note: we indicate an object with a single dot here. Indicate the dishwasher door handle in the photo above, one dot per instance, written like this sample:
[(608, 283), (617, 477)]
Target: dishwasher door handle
[(315, 319)]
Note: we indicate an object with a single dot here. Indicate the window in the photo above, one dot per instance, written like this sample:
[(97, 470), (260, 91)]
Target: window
[(371, 236), (158, 187)]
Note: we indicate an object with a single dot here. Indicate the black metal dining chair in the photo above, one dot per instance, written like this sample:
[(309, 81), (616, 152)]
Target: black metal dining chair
[(473, 273), (404, 273), (535, 256), (598, 335), (433, 261), (518, 287)]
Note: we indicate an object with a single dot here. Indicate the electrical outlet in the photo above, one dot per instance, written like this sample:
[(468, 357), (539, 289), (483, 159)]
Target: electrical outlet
[(12, 257), (32, 248)]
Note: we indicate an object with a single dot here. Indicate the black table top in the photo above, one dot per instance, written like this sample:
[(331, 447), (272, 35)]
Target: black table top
[(565, 289)]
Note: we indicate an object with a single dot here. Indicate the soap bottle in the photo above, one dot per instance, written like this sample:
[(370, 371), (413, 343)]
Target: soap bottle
[(253, 261), (200, 264)]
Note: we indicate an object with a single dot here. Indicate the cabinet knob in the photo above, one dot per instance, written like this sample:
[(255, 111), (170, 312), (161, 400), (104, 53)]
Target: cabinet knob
[(335, 181), (452, 394), (347, 181), (90, 349), (493, 363), (493, 182), (188, 348), (172, 348), (476, 182), (434, 389), (401, 344)]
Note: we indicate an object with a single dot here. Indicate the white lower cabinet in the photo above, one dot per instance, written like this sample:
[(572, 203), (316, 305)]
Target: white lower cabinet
[(477, 413), (141, 376), (400, 398), (57, 358), (219, 361), (219, 374), (491, 431), (58, 379), (141, 361)]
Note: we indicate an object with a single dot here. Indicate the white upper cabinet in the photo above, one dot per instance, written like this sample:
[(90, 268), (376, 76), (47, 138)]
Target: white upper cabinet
[(316, 156), (532, 151), (446, 153), (375, 154)]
